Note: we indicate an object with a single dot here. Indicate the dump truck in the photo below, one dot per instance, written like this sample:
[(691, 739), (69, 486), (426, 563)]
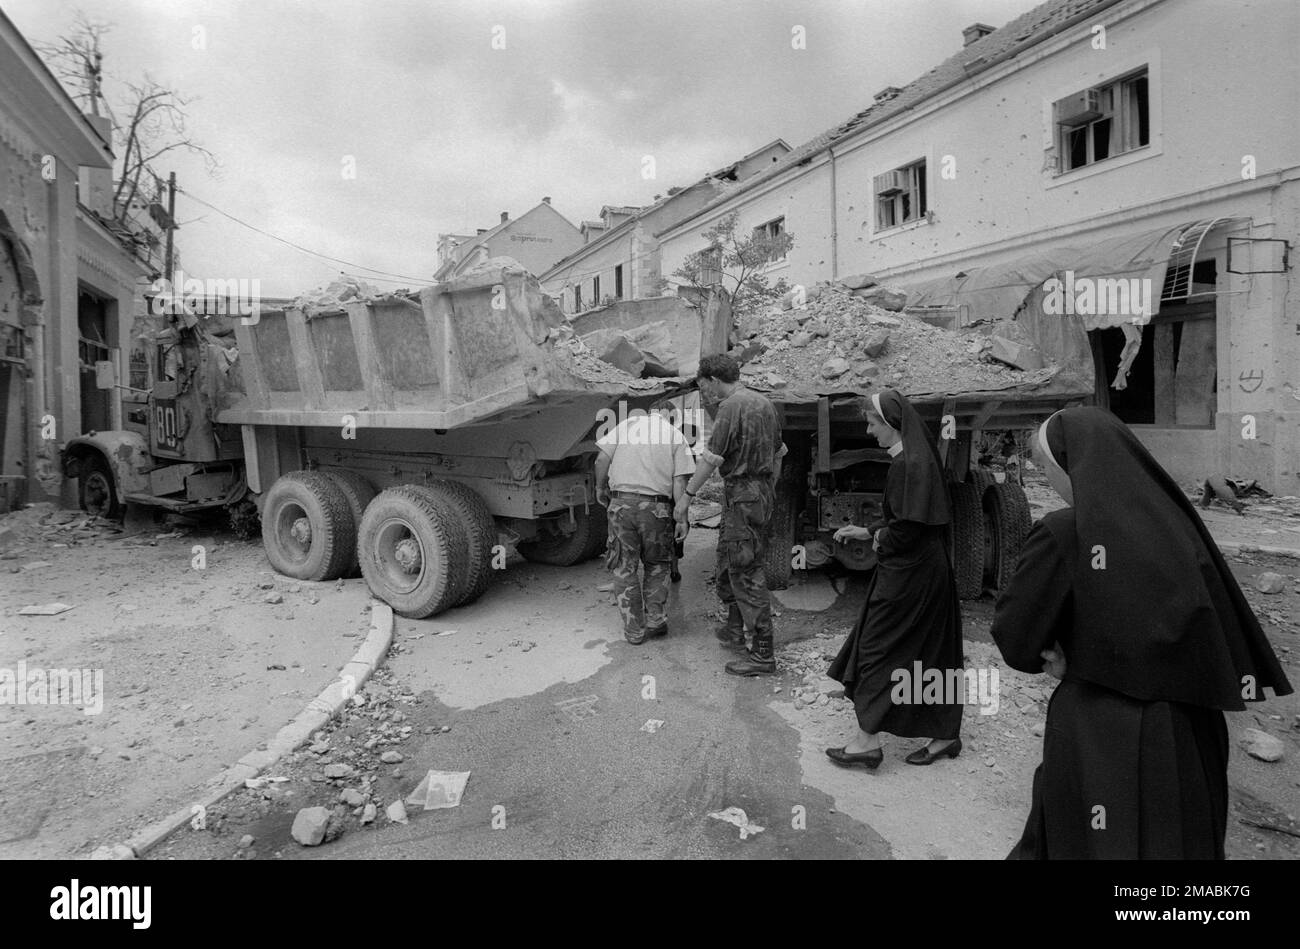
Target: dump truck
[(413, 438), (834, 472)]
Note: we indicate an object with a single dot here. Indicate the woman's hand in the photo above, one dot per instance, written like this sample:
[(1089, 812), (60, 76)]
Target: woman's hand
[(1054, 661), (875, 540), (848, 532)]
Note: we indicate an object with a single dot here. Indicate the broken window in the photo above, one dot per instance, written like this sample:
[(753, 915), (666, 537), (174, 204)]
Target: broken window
[(900, 196), (770, 231), (1103, 122)]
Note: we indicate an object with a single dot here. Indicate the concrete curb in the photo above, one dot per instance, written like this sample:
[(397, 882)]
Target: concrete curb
[(296, 733), (1233, 547)]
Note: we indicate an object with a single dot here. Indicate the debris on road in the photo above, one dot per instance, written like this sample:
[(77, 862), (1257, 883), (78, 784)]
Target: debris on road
[(45, 609), (1270, 583), (652, 725), (309, 826), (439, 789), (737, 817), (397, 812), (1261, 745)]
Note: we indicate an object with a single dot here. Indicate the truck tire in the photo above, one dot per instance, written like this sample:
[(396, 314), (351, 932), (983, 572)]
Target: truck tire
[(414, 551), (966, 539), (96, 491), (777, 561), (359, 492), (307, 528), (480, 532), (1006, 522), (564, 550), (982, 478)]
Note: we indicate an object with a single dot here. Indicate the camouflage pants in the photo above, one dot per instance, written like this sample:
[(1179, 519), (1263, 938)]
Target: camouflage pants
[(742, 545), (640, 533)]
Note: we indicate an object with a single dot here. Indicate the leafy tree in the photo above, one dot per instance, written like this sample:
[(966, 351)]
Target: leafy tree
[(738, 264)]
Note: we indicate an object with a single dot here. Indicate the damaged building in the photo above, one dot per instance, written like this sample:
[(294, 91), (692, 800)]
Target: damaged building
[(1092, 159)]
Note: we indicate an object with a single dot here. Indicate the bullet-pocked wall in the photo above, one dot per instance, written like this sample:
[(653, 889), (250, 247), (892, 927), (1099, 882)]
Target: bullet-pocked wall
[(1217, 118)]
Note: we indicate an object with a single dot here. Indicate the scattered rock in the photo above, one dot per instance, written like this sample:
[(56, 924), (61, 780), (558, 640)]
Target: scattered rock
[(392, 757), (246, 841), (1038, 729), (801, 339), (273, 598), (874, 345), (309, 826), (352, 797), (368, 814), (396, 812), (1270, 583), (859, 281), (1261, 745), (337, 770), (834, 367)]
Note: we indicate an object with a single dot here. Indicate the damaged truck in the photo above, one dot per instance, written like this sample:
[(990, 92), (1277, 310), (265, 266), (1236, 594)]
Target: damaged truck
[(413, 438)]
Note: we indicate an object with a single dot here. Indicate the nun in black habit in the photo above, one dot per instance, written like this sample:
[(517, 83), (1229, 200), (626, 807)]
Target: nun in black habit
[(1125, 597), (912, 618)]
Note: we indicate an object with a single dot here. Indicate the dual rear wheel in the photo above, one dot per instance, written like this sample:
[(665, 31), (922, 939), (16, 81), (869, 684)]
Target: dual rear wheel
[(421, 548), (989, 522)]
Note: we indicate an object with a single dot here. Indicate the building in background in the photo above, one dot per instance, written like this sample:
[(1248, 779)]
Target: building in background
[(537, 240), (1146, 140), (69, 279), (620, 257)]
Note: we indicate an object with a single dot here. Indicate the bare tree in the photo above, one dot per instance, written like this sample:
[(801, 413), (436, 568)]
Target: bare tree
[(152, 117), (738, 265)]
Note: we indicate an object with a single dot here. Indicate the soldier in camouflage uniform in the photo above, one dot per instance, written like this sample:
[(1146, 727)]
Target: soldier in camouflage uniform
[(642, 468), (745, 448)]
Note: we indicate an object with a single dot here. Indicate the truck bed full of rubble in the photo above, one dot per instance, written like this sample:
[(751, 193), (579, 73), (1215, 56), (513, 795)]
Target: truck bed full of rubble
[(840, 343)]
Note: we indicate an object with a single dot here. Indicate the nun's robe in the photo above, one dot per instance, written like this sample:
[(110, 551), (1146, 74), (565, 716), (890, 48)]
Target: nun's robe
[(912, 614), (1121, 778)]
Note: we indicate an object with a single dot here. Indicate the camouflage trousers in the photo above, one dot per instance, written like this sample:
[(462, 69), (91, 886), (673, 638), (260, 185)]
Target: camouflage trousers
[(742, 545), (640, 535)]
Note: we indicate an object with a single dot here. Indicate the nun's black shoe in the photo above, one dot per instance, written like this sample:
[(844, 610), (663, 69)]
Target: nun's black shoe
[(868, 759), (923, 755)]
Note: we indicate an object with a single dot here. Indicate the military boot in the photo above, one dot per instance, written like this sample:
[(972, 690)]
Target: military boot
[(759, 661), (732, 633)]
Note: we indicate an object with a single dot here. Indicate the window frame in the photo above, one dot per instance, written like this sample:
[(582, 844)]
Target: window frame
[(1119, 108), (765, 228), (917, 191)]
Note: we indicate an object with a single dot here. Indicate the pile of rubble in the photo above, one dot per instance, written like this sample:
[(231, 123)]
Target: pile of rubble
[(847, 337), (587, 365), (337, 293)]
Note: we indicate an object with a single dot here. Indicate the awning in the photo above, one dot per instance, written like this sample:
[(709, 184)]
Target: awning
[(998, 292)]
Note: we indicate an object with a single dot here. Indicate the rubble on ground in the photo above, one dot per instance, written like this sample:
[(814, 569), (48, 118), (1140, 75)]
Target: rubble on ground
[(840, 340)]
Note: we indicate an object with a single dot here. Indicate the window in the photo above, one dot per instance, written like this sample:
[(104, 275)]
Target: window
[(1103, 122), (900, 196), (577, 298), (618, 282), (771, 231), (710, 266), (595, 290)]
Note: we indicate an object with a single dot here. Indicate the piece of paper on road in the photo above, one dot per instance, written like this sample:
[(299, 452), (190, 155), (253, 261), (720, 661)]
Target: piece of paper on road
[(439, 789)]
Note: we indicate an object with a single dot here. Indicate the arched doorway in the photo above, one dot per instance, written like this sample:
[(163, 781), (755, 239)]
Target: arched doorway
[(20, 305)]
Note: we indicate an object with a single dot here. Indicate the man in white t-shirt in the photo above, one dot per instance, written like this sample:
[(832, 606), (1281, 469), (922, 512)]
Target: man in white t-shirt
[(641, 471)]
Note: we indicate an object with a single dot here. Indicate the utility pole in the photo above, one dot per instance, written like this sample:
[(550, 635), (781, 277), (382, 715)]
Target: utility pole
[(171, 230)]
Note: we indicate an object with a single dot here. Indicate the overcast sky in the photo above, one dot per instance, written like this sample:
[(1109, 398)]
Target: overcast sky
[(447, 131)]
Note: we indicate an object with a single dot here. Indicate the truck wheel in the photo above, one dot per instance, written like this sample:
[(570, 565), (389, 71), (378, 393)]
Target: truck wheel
[(359, 493), (563, 550), (96, 492), (1006, 522), (413, 551), (307, 528), (982, 478), (780, 542), (966, 539), (480, 532)]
